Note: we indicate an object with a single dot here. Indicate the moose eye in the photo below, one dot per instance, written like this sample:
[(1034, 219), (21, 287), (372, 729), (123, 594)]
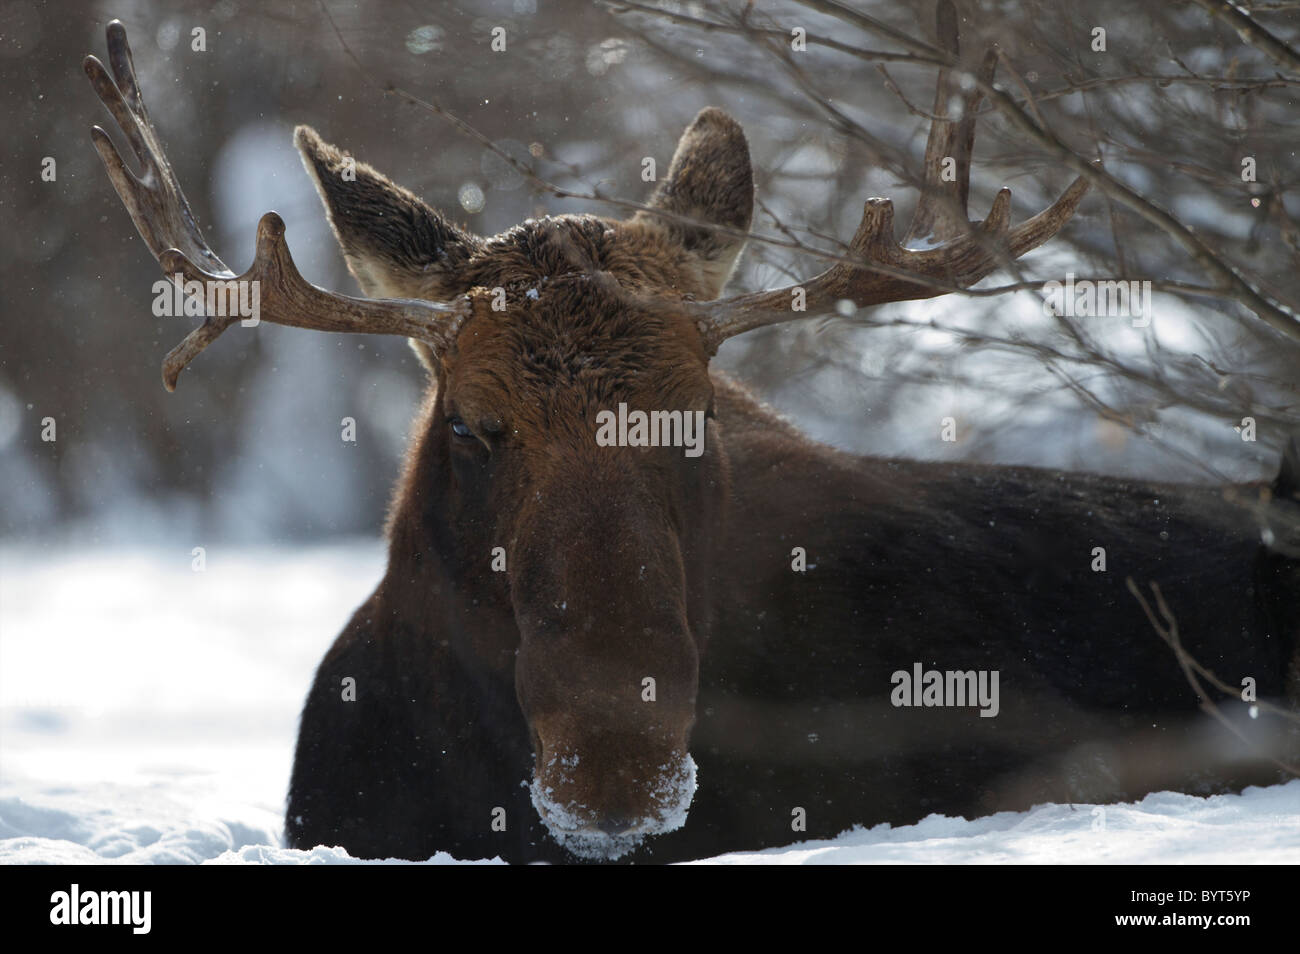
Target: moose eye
[(461, 429)]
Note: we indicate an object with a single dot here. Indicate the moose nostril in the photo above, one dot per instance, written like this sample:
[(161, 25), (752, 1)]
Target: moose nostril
[(614, 824)]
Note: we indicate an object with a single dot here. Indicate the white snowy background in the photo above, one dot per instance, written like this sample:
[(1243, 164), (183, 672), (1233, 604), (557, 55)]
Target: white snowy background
[(148, 714)]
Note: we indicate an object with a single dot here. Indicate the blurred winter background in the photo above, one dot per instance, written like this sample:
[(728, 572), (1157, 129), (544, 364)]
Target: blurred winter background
[(119, 663)]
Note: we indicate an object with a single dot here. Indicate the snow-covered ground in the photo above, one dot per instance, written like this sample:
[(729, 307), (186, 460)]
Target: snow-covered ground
[(148, 713)]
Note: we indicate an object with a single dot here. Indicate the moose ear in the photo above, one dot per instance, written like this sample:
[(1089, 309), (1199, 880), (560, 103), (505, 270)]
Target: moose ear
[(711, 180), (396, 246)]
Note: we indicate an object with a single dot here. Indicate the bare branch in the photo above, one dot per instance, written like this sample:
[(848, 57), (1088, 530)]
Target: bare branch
[(1253, 33), (1193, 669)]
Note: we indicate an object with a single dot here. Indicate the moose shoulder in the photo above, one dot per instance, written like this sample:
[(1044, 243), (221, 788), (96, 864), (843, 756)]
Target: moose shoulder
[(627, 649)]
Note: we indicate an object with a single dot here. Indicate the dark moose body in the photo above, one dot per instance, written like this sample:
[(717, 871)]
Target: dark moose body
[(646, 676), (794, 706)]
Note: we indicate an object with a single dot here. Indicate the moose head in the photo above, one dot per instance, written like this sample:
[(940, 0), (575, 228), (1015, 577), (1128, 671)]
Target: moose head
[(567, 483)]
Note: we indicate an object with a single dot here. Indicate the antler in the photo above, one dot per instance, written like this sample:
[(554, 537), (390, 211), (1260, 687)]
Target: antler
[(163, 217), (969, 250)]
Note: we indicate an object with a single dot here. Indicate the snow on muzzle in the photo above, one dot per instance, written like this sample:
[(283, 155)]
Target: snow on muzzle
[(601, 796)]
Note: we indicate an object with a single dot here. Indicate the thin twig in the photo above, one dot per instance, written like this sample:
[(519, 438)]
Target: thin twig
[(1253, 33), (1192, 669)]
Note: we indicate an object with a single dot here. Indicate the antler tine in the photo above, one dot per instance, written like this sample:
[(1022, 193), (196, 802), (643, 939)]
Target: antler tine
[(154, 199), (162, 216), (289, 299), (969, 251), (940, 212), (962, 262)]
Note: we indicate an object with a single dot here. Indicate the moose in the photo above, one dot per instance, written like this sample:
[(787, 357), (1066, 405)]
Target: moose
[(613, 650)]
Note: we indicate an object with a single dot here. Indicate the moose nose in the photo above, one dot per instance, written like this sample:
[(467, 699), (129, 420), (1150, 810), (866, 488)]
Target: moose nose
[(614, 824)]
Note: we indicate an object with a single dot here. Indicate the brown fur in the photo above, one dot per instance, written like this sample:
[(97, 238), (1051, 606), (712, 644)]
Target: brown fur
[(628, 563)]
